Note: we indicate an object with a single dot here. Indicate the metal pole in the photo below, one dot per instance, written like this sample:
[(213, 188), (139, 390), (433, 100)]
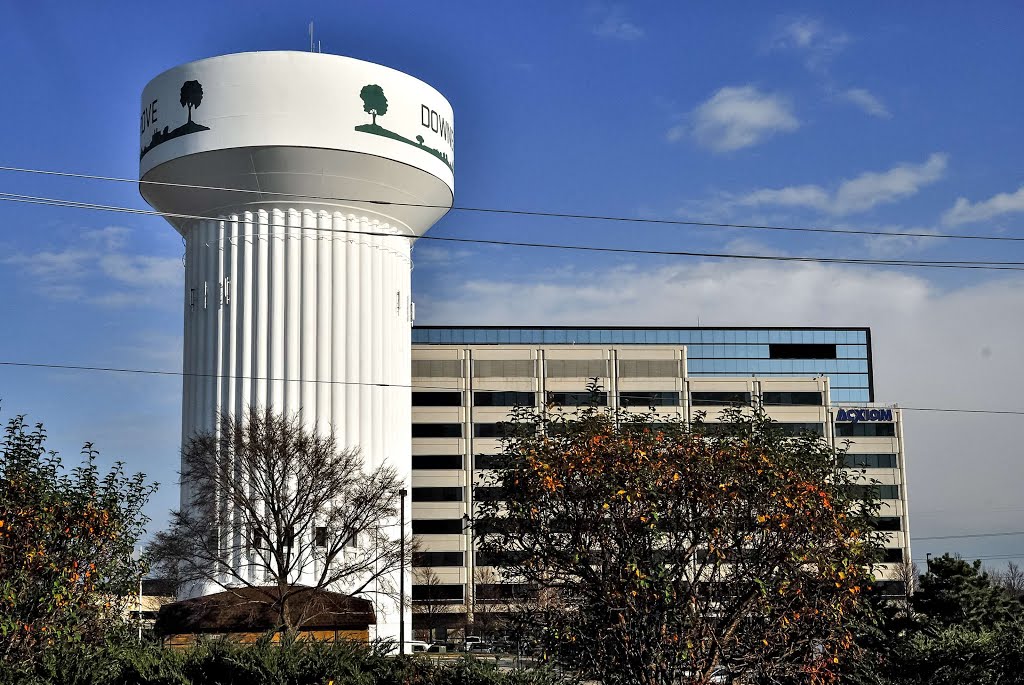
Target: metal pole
[(401, 577), (140, 608)]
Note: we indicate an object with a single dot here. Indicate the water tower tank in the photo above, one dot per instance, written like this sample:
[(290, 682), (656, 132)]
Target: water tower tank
[(297, 277)]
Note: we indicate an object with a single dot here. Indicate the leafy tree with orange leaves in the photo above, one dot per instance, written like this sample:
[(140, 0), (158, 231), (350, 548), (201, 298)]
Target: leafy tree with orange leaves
[(678, 551), (66, 542)]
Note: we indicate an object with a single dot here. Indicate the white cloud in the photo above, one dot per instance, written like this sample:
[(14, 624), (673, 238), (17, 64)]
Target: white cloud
[(142, 270), (933, 347), (611, 22), (963, 211), (435, 255), (111, 237), (857, 194), (95, 270), (736, 117), (811, 38), (866, 101)]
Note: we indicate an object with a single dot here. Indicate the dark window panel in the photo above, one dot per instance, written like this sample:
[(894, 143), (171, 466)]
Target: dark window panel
[(504, 399), (504, 591), (504, 558), (321, 536), (437, 494), (437, 399), (499, 430), (892, 555), (801, 351), (437, 593), (437, 430), (437, 461), (438, 558), (651, 398), (490, 461), (869, 461), (800, 428), (577, 399), (888, 523), (719, 399), (882, 491), (437, 526), (866, 430), (488, 493), (809, 399)]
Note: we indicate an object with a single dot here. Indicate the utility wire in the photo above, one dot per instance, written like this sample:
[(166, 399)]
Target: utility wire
[(935, 264), (524, 212), (970, 535), (191, 374)]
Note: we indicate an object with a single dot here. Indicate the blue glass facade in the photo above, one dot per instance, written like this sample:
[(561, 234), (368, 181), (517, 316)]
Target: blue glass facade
[(710, 351)]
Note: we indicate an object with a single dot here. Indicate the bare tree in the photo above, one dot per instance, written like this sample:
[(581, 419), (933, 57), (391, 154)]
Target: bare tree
[(1011, 580), (430, 607), (487, 608), (907, 573), (271, 505)]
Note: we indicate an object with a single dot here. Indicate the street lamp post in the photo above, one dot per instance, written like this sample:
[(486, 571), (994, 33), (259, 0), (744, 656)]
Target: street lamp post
[(401, 575)]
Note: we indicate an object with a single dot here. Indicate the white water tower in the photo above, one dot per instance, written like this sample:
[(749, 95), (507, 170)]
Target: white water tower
[(297, 282)]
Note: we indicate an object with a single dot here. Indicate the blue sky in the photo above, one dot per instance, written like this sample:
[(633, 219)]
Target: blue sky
[(867, 116)]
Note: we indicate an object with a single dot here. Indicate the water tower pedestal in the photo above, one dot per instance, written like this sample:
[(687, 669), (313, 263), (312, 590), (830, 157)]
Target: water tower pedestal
[(297, 278)]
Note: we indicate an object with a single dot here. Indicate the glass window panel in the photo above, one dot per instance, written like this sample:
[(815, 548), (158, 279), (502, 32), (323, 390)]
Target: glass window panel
[(649, 398), (437, 399), (436, 494), (437, 461), (865, 430), (437, 430), (490, 461), (718, 398), (420, 559)]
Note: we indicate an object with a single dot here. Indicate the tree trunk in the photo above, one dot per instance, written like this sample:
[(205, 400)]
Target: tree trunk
[(190, 114)]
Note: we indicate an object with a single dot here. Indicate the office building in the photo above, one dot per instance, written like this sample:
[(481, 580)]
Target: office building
[(465, 381)]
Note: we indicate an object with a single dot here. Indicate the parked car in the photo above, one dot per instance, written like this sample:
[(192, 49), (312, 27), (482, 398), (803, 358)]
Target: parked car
[(479, 648), (437, 647), (414, 646)]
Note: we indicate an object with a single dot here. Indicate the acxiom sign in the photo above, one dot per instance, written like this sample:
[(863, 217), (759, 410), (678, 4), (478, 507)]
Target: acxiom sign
[(858, 415)]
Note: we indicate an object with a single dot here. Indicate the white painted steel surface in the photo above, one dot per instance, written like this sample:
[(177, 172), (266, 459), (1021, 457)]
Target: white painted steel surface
[(297, 292)]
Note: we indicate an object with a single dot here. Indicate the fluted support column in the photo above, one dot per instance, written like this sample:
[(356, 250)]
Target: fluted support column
[(302, 311)]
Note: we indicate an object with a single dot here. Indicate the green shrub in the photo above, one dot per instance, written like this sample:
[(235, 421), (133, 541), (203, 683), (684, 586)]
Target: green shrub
[(219, 662)]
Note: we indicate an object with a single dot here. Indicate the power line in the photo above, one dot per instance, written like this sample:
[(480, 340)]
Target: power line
[(935, 264), (970, 535), (983, 557), (411, 386), (530, 213)]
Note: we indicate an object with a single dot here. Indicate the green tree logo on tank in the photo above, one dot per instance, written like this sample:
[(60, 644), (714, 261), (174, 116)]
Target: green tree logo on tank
[(191, 96), (375, 103)]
